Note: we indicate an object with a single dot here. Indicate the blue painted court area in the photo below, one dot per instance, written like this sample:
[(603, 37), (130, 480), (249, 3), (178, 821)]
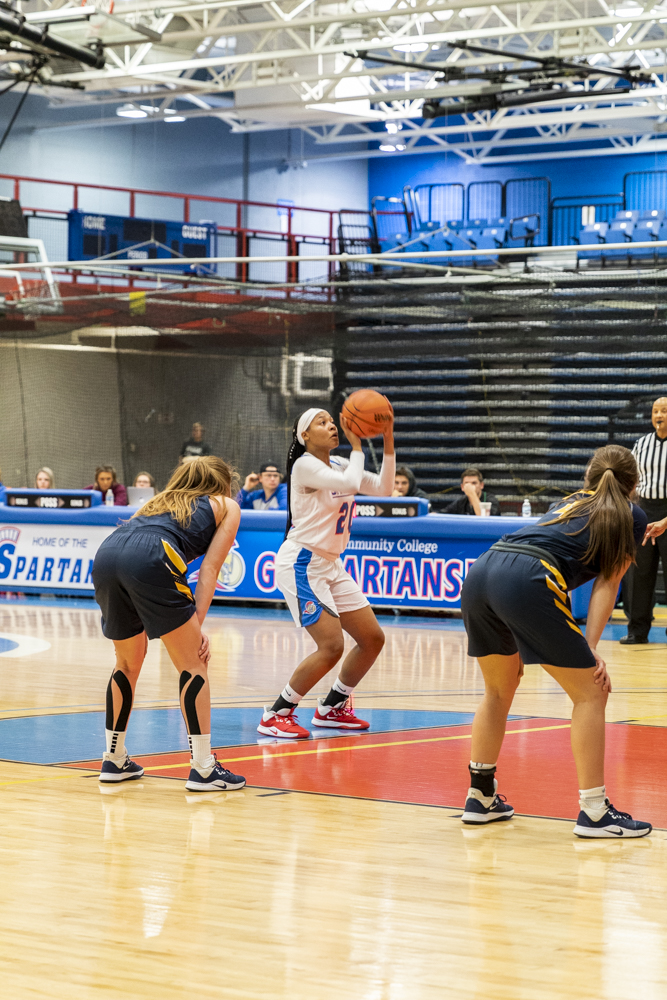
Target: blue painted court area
[(6, 645), (56, 739)]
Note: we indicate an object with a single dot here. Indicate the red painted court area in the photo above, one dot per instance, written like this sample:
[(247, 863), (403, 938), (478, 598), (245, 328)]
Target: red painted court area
[(429, 767)]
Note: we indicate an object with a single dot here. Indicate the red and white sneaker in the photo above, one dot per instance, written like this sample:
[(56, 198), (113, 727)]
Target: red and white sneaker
[(337, 718), (285, 726)]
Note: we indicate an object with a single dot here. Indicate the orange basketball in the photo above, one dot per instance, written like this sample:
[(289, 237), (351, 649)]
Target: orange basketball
[(368, 412)]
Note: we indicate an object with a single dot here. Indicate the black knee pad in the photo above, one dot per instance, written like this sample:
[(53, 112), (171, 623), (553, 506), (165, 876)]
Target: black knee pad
[(189, 699), (125, 688)]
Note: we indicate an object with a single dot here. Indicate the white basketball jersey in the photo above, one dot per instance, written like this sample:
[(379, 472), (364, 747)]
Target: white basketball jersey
[(322, 499)]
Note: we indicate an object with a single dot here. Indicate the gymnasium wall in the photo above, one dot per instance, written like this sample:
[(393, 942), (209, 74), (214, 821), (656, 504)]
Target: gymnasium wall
[(198, 156), (570, 176)]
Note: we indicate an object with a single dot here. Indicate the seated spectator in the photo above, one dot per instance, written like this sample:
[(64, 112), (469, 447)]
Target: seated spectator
[(45, 480), (195, 446), (472, 486), (271, 495), (144, 480), (405, 484), (105, 479)]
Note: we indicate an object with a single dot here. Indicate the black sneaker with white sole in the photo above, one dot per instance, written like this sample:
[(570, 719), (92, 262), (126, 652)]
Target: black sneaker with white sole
[(116, 769), (485, 809), (213, 779), (614, 825)]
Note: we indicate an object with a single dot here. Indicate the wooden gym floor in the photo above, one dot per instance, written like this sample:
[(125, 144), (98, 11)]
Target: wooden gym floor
[(343, 868)]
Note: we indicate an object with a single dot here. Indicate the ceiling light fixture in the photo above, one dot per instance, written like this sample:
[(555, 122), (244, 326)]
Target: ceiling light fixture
[(413, 47), (129, 111)]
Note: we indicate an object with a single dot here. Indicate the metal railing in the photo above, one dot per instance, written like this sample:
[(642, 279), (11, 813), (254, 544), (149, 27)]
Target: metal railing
[(295, 232)]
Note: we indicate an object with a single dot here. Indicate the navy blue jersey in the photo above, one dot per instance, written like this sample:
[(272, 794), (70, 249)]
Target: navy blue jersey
[(191, 541), (568, 542)]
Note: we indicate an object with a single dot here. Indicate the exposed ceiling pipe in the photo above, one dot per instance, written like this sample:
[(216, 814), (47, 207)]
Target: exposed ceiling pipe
[(15, 25)]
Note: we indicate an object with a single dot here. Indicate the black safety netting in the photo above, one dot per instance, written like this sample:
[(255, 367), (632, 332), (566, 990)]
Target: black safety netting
[(522, 375)]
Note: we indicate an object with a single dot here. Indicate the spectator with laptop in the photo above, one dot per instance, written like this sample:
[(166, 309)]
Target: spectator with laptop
[(106, 479), (143, 481), (472, 496), (45, 480), (195, 446), (264, 491)]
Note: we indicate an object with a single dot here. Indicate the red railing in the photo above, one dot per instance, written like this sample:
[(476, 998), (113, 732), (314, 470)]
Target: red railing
[(243, 233)]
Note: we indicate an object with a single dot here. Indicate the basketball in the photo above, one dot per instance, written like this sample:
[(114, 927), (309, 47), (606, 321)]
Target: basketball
[(368, 412)]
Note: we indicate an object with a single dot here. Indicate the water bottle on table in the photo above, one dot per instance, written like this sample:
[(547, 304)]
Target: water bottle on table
[(526, 509), (108, 498)]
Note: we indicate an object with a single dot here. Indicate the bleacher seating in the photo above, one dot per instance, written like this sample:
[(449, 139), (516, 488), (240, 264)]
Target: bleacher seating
[(628, 228), (596, 232)]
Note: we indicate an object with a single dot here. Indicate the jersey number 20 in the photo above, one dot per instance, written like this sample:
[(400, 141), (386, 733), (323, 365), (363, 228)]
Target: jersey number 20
[(346, 511)]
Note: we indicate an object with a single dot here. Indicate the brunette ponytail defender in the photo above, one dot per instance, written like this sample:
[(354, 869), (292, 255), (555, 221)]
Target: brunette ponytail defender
[(296, 450), (611, 478)]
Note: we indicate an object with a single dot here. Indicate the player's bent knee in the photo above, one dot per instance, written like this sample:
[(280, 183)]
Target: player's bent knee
[(373, 642), (332, 649)]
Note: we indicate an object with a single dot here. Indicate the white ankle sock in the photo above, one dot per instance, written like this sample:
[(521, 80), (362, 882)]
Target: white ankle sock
[(593, 801), (115, 743), (200, 749)]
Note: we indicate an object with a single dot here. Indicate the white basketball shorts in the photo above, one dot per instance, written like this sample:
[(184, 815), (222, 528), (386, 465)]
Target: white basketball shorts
[(311, 585)]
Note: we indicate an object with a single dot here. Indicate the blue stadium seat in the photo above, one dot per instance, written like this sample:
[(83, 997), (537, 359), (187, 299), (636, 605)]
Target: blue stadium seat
[(627, 215), (620, 231), (661, 235), (454, 224), (471, 235), (492, 237), (502, 221), (595, 232), (428, 227), (523, 230), (645, 229), (392, 242), (477, 223), (655, 213)]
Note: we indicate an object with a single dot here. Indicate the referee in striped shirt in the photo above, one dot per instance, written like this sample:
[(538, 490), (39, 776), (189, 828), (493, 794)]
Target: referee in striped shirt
[(650, 452)]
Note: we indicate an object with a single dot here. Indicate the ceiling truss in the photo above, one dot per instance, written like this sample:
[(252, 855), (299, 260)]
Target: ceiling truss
[(260, 66)]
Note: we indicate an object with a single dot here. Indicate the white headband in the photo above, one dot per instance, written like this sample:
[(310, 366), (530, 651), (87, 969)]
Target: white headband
[(305, 420)]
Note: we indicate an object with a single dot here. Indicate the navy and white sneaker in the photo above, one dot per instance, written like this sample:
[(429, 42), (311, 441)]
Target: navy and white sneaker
[(614, 824), (213, 779), (484, 808), (116, 769)]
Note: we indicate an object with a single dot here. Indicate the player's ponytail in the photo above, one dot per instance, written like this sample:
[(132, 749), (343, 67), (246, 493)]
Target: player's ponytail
[(296, 450), (611, 478)]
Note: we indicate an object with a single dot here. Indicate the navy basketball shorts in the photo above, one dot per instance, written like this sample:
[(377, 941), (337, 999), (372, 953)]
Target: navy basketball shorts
[(140, 585), (512, 601)]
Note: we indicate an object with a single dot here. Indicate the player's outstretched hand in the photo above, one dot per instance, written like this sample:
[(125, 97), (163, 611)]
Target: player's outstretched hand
[(389, 427), (601, 676), (350, 435), (251, 482), (654, 530), (205, 649)]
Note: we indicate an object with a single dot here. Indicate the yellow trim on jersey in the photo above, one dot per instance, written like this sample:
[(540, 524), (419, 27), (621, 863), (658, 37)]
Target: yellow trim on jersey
[(184, 589), (556, 573), (173, 555), (576, 629), (561, 607), (556, 589)]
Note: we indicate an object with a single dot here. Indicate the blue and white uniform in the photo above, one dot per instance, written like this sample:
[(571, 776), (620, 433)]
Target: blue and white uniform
[(256, 499), (309, 570)]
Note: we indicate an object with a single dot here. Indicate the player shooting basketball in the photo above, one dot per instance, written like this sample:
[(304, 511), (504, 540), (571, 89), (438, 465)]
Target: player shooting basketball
[(322, 596)]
